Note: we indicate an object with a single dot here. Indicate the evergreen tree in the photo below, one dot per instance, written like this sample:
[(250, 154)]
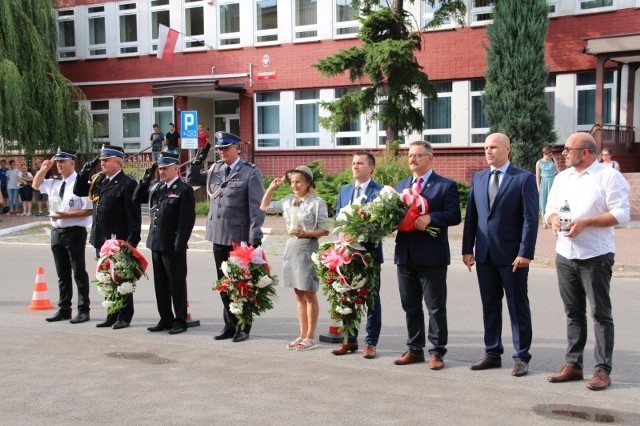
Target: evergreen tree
[(386, 65), (516, 76), (37, 103)]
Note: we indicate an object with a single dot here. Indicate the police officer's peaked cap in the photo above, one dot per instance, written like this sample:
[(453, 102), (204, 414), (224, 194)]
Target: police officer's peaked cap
[(224, 139), (168, 159), (109, 151), (65, 154)]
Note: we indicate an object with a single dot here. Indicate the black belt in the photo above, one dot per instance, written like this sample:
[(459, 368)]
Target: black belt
[(68, 229)]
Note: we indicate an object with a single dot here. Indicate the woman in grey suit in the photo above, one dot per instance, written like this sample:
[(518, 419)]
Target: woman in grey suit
[(306, 215)]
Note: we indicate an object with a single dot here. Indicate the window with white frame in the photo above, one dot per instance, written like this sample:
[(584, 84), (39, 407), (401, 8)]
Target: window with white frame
[(97, 31), (130, 110), (552, 7), (307, 112), (586, 102), (266, 21), (594, 5), (481, 11), (306, 19), (346, 22), (550, 94), (128, 28), (479, 123), (159, 14), (437, 114), (229, 24), (268, 119), (428, 12), (100, 115), (66, 34), (163, 112), (193, 24), (349, 133)]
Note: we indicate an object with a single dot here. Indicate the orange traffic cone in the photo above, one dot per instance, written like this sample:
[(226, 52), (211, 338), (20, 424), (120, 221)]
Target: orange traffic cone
[(40, 300), (335, 332), (191, 322)]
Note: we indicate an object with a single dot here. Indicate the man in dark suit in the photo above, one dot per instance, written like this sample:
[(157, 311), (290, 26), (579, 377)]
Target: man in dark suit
[(114, 213), (362, 191), (172, 206), (502, 223), (235, 188), (422, 260)]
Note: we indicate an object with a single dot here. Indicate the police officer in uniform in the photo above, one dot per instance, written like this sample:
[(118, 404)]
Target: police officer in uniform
[(114, 213), (235, 188), (70, 216), (172, 206)]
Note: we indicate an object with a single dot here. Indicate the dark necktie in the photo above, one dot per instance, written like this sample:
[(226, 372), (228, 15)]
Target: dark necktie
[(227, 171), (61, 192), (418, 185), (358, 194), (493, 186)]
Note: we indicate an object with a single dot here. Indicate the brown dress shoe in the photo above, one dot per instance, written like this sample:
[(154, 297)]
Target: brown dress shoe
[(486, 363), (409, 358), (566, 374), (345, 348), (436, 362), (369, 351), (520, 368), (600, 380)]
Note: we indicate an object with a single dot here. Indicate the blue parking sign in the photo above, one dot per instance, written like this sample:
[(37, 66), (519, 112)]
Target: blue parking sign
[(189, 129)]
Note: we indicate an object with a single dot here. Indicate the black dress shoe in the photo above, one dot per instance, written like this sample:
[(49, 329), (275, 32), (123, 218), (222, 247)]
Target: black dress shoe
[(240, 336), (120, 324), (176, 329), (158, 327), (226, 334), (81, 317), (486, 363), (59, 316), (106, 323)]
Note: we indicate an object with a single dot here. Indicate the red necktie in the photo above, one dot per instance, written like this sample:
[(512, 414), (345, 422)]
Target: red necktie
[(418, 185)]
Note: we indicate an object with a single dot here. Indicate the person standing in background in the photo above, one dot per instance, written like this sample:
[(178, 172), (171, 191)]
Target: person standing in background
[(157, 140), (607, 159), (172, 139), (546, 171)]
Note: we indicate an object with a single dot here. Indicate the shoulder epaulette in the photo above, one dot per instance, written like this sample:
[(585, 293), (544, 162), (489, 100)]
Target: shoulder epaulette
[(250, 164)]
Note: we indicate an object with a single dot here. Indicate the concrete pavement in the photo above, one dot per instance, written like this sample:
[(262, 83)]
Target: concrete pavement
[(62, 373)]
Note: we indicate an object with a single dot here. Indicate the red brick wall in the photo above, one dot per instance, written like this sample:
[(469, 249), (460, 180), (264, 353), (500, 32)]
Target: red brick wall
[(458, 164)]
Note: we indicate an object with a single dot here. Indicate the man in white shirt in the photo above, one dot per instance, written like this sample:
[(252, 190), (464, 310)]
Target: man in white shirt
[(70, 217), (598, 197)]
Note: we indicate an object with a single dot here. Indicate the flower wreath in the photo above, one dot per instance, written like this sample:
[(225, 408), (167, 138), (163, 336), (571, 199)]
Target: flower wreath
[(248, 282), (388, 212), (119, 267), (348, 279)]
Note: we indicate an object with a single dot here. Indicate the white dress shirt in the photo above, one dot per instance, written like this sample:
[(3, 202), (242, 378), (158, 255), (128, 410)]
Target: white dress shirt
[(596, 190), (69, 203)]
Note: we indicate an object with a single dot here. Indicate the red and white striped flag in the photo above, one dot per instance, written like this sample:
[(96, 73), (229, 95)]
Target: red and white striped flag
[(167, 38)]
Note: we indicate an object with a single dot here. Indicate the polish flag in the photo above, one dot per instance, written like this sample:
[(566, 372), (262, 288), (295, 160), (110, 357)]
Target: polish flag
[(167, 38)]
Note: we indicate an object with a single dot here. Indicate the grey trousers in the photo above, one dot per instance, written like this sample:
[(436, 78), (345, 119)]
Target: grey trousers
[(579, 281)]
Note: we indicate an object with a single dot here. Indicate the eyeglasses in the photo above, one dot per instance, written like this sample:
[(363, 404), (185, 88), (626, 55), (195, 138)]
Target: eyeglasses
[(417, 155), (573, 149), (224, 148)]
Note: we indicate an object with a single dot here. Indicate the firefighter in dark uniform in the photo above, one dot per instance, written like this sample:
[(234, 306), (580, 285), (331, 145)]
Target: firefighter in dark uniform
[(172, 207), (114, 213), (235, 188)]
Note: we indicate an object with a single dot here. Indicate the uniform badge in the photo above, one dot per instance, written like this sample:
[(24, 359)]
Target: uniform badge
[(71, 202)]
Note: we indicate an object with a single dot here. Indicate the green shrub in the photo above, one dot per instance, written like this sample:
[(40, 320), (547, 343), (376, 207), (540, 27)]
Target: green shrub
[(202, 208)]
